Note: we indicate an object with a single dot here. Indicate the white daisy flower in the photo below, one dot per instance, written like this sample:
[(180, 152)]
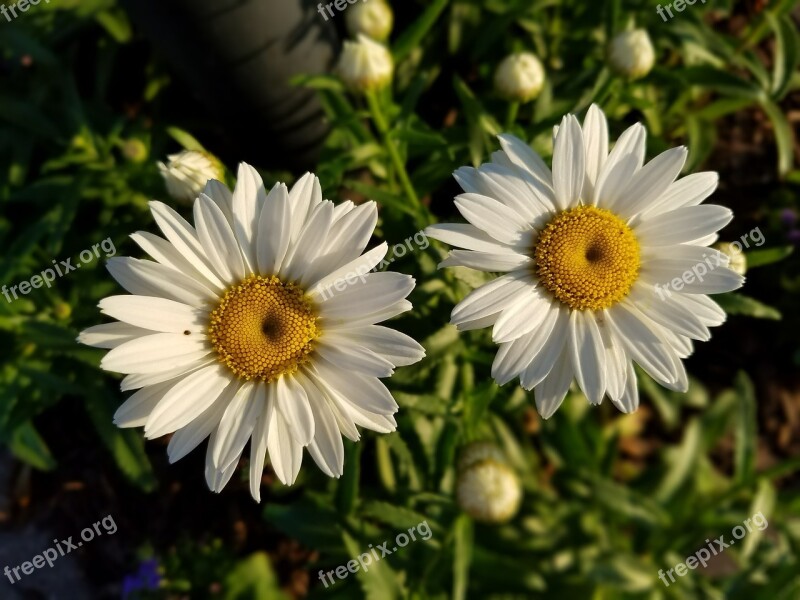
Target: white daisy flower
[(606, 262), (236, 332)]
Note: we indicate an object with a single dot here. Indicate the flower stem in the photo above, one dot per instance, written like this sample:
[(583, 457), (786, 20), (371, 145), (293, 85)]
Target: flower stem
[(511, 115), (391, 148)]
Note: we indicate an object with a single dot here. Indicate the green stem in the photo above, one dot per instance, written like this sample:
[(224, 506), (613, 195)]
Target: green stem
[(391, 148), (511, 115)]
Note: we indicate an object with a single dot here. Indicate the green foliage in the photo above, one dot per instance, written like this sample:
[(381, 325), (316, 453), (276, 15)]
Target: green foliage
[(609, 499)]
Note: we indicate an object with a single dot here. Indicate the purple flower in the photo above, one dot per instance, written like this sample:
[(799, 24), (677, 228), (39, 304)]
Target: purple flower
[(788, 217), (146, 578), (794, 236)]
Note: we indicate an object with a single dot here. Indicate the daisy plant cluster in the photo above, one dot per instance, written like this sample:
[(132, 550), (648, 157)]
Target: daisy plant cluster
[(545, 406)]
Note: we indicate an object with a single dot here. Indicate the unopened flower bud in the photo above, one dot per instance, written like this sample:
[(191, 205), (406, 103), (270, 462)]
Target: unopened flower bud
[(519, 77), (134, 150), (489, 491), (365, 64), (374, 19), (187, 173), (738, 261), (476, 452), (631, 54)]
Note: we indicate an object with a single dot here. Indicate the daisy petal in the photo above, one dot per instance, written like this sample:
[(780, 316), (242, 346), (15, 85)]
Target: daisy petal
[(135, 411), (274, 230), (218, 241), (237, 424), (683, 225), (258, 445), (550, 393), (650, 182), (110, 335), (154, 353), (569, 163), (186, 399), (188, 437), (595, 137), (587, 354), (155, 314), (624, 160), (285, 453), (326, 448), (248, 199), (291, 401)]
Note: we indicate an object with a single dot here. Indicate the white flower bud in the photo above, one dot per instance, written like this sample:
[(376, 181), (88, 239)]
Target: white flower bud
[(489, 491), (733, 250), (373, 18), (187, 173), (519, 77), (476, 452), (365, 64), (631, 54)]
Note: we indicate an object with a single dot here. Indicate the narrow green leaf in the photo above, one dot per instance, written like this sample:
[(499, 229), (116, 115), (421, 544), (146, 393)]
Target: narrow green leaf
[(252, 577), (739, 304), (787, 53), (126, 445), (760, 258), (415, 34), (462, 555), (28, 446), (185, 139), (746, 434), (784, 136)]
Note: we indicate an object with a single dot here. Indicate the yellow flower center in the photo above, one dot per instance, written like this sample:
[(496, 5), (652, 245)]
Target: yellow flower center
[(263, 328), (587, 257)]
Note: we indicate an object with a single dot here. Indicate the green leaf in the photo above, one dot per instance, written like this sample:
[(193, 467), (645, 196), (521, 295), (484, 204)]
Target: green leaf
[(27, 116), (185, 139), (415, 34), (252, 577), (463, 535), (379, 582), (347, 486), (682, 461), (746, 434), (784, 136), (763, 503), (28, 446), (739, 304), (126, 445), (702, 138), (397, 517), (116, 23), (760, 258), (721, 81), (787, 53), (309, 521)]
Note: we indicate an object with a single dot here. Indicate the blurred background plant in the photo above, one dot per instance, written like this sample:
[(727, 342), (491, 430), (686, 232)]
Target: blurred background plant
[(87, 107)]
